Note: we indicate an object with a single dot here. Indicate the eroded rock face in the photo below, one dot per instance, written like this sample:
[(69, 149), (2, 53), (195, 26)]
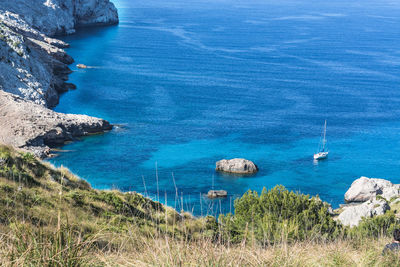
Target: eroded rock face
[(26, 125), (239, 166), (31, 64), (352, 215), (59, 17), (94, 12), (364, 189)]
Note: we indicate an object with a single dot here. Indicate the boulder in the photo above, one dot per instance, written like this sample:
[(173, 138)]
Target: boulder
[(217, 194), (240, 166), (364, 189), (352, 214)]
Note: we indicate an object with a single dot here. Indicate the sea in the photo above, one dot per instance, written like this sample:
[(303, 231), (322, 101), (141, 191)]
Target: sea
[(190, 82)]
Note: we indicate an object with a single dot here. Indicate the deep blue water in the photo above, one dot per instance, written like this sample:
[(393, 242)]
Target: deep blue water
[(192, 82)]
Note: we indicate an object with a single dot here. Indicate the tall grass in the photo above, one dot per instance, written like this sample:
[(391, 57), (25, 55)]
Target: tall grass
[(171, 252), (26, 246)]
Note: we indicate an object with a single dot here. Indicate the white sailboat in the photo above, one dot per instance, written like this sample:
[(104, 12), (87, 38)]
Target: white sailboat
[(322, 154)]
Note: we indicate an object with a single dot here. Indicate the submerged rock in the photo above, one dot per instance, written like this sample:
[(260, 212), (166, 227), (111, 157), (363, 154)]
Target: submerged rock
[(217, 194), (238, 165), (364, 189), (352, 214)]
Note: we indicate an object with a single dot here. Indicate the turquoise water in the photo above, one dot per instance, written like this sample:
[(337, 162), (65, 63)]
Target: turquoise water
[(192, 82)]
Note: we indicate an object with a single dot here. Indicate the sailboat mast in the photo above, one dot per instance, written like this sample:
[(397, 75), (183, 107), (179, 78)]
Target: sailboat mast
[(324, 140)]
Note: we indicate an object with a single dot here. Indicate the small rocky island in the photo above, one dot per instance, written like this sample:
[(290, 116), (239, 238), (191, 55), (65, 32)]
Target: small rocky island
[(237, 165)]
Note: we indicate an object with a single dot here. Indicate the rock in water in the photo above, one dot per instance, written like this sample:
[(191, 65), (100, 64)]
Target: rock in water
[(352, 215), (217, 194), (241, 166), (364, 189)]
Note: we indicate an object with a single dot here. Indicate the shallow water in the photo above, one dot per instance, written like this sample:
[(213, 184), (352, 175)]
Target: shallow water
[(192, 82)]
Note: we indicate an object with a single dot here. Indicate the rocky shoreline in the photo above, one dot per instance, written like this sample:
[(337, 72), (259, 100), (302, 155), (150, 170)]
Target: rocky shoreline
[(34, 71)]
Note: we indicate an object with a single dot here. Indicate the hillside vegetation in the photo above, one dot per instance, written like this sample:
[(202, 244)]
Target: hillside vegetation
[(49, 217)]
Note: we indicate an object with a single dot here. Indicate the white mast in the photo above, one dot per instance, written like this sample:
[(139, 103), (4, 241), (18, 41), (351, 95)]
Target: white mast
[(324, 140)]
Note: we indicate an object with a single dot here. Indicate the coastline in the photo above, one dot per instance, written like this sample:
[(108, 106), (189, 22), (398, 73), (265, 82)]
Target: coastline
[(35, 69)]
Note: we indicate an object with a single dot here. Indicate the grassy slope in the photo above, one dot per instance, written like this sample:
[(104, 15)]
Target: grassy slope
[(49, 217)]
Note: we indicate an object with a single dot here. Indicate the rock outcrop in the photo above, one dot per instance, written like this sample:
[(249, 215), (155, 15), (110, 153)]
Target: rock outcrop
[(367, 197), (353, 214), (239, 166), (364, 189), (32, 127)]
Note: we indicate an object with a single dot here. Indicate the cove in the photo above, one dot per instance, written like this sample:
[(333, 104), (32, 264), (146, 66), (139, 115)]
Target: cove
[(191, 82)]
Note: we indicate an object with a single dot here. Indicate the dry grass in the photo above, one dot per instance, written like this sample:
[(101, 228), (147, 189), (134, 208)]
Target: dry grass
[(134, 249), (169, 252)]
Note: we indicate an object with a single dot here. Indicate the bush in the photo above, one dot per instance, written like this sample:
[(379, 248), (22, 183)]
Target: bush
[(375, 227), (278, 215), (78, 198)]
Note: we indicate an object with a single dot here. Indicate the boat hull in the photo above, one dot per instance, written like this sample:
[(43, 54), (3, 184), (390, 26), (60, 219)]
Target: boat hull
[(321, 155)]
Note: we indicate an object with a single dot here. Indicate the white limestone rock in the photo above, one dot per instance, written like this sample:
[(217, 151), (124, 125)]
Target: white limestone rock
[(353, 214), (31, 68), (364, 189)]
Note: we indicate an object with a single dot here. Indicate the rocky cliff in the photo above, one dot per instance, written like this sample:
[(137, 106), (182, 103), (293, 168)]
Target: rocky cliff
[(34, 66), (58, 17)]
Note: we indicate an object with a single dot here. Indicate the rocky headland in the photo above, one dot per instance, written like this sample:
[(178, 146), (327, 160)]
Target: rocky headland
[(33, 127), (34, 70)]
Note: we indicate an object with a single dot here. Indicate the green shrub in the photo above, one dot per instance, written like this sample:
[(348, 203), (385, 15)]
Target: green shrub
[(28, 157), (78, 198), (5, 153), (278, 215), (382, 225), (111, 199)]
